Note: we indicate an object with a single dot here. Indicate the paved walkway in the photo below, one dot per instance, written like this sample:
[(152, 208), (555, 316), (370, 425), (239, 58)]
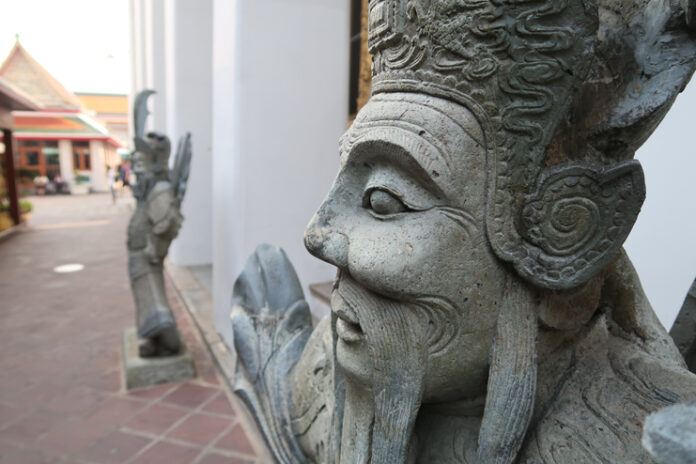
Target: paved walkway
[(61, 391)]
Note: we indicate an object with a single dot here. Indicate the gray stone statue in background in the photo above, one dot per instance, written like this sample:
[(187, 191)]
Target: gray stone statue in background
[(484, 311), (154, 224)]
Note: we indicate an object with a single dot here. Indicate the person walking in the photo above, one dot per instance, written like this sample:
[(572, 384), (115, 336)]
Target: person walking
[(111, 176)]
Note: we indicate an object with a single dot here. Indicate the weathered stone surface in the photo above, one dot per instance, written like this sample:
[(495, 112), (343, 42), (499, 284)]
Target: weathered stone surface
[(141, 372), (271, 322), (154, 224), (684, 329), (670, 434), (483, 310)]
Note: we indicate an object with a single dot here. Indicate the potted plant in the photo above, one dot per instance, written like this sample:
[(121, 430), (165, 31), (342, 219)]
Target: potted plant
[(81, 185), (25, 207)]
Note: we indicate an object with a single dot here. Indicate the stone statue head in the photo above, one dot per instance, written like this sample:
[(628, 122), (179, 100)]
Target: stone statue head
[(483, 189), (151, 154)]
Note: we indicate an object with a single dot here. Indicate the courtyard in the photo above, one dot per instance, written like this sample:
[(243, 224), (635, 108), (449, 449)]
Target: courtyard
[(62, 398)]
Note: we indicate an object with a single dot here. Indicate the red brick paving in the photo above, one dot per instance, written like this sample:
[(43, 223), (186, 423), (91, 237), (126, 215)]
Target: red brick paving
[(190, 395), (115, 448), (200, 429), (168, 453), (61, 393), (219, 405), (235, 440), (156, 419), (214, 458)]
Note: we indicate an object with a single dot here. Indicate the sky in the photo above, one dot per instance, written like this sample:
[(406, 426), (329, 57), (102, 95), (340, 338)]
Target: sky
[(82, 43)]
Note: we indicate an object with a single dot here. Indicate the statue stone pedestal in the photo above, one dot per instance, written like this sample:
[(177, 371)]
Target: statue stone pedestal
[(142, 372)]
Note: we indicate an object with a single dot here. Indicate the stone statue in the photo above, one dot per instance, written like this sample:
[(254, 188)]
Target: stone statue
[(484, 310), (153, 226), (669, 434)]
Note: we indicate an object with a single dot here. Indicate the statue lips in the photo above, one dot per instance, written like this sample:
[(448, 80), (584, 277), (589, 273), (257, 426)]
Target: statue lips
[(347, 325)]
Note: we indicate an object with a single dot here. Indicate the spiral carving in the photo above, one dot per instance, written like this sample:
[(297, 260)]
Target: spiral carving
[(577, 219), (564, 226)]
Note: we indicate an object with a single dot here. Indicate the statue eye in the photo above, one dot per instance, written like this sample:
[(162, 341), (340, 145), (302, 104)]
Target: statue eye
[(383, 202)]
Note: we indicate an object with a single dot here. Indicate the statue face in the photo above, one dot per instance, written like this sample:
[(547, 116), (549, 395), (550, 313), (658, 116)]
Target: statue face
[(142, 163), (418, 285)]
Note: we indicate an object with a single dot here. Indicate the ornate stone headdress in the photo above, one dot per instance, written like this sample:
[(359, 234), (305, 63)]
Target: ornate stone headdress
[(565, 90), (154, 144)]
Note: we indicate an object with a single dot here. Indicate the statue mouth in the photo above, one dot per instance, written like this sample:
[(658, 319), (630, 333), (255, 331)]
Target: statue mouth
[(348, 326)]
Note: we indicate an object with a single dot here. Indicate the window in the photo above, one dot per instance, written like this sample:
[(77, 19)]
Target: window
[(37, 158), (50, 152), (31, 157), (81, 158)]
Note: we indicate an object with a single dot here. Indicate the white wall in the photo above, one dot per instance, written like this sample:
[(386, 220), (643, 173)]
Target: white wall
[(662, 244), (189, 63), (97, 155), (281, 103), (172, 54), (65, 156)]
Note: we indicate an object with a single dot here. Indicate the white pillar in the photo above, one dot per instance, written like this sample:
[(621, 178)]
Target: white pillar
[(97, 160), (189, 43), (65, 158), (228, 215), (137, 55), (280, 105), (155, 57)]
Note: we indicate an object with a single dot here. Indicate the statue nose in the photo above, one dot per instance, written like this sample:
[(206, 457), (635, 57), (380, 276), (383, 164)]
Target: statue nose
[(325, 241)]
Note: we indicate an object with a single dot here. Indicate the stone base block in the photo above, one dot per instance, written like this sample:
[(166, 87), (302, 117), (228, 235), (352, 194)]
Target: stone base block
[(141, 372)]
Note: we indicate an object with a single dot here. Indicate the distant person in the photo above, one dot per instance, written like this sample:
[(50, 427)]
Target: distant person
[(112, 177), (126, 176), (59, 184), (121, 176)]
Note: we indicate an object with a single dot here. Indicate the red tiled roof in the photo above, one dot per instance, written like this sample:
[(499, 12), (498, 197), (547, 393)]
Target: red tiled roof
[(24, 72), (72, 126)]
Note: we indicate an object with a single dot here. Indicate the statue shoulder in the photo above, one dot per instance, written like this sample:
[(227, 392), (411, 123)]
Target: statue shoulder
[(596, 413)]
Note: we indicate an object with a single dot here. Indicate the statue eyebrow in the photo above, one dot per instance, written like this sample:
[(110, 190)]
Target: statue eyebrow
[(427, 159), (426, 156)]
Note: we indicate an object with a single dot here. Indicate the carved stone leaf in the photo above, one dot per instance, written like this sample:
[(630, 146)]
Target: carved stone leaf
[(271, 325)]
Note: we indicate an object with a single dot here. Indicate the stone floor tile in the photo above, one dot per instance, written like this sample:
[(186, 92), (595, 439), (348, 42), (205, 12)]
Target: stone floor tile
[(75, 400), (107, 382), (34, 396), (167, 453), (152, 393), (199, 428), (216, 458), (236, 440), (115, 448), (156, 419), (220, 405), (190, 395), (32, 427), (73, 436), (115, 410), (28, 456), (9, 414)]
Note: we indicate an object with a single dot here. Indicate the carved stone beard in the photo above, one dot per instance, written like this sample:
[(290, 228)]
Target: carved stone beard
[(379, 423), (397, 337)]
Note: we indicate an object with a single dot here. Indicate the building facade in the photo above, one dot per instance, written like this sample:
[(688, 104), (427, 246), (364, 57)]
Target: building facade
[(60, 139)]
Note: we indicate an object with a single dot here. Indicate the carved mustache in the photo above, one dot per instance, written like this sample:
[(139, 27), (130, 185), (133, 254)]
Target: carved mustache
[(435, 312)]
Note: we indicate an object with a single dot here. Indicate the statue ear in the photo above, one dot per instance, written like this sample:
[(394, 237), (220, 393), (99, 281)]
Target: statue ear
[(576, 221)]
